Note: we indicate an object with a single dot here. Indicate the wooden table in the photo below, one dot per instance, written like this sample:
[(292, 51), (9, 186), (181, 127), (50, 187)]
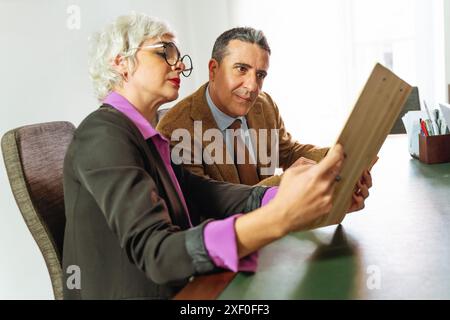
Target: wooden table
[(398, 247)]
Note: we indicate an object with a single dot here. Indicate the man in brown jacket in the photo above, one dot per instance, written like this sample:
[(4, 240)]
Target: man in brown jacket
[(233, 99)]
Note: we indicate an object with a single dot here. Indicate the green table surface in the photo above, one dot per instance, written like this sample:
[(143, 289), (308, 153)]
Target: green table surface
[(398, 247)]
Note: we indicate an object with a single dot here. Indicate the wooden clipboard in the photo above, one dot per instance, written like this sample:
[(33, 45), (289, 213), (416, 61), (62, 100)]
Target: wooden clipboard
[(365, 131)]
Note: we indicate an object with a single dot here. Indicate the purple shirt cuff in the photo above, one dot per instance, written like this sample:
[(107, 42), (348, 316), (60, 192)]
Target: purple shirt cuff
[(269, 195), (220, 242)]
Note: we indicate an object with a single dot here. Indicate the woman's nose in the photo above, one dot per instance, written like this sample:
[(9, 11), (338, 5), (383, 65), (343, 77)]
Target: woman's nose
[(179, 66)]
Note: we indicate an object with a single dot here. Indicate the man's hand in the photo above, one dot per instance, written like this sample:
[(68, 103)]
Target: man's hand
[(361, 191)]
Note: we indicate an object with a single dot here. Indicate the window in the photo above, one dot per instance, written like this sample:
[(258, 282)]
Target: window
[(323, 52)]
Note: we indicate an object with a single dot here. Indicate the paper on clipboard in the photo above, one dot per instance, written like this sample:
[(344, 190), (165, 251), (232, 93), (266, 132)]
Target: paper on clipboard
[(445, 109), (365, 131)]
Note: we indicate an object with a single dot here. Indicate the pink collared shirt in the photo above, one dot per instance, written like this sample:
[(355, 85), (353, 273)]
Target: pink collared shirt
[(219, 235)]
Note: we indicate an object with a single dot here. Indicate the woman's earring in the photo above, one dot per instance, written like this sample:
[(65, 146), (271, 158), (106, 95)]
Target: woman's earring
[(125, 76)]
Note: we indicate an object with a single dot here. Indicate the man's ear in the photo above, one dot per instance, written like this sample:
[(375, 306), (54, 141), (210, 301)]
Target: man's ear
[(213, 65)]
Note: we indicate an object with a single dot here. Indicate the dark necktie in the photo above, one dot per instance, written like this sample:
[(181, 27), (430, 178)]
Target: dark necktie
[(247, 170)]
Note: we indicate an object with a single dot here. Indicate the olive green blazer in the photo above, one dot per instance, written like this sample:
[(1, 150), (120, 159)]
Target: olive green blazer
[(122, 232)]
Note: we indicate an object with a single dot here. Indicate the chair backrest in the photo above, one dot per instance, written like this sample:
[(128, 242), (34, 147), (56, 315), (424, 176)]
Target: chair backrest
[(411, 104), (34, 157)]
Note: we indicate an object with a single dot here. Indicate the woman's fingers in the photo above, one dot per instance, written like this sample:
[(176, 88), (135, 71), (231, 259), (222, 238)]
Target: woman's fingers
[(303, 161), (331, 165)]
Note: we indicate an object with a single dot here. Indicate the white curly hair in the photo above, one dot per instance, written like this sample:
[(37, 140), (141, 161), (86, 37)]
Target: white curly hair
[(120, 38)]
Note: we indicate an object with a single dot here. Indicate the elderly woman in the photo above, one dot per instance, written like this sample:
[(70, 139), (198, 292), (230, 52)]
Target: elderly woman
[(139, 226)]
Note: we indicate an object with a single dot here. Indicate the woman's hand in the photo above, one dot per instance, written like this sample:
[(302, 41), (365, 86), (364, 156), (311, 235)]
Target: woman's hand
[(306, 191), (303, 161), (305, 194)]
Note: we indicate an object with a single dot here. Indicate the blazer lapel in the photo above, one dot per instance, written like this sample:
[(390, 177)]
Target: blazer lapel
[(179, 214), (200, 112), (157, 169)]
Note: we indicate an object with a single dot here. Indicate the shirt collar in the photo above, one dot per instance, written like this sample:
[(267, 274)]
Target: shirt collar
[(223, 120), (120, 103)]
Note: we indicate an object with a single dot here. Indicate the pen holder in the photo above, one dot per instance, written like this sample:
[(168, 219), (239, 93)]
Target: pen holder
[(434, 149)]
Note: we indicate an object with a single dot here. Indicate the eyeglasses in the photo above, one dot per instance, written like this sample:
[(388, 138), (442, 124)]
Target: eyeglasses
[(172, 56)]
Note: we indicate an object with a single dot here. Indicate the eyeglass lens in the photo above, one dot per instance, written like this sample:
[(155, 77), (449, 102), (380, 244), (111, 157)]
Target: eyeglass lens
[(187, 61), (173, 56), (172, 53)]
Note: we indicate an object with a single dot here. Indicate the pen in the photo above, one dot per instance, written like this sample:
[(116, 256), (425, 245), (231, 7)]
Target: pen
[(424, 128), (430, 127), (429, 117), (438, 121)]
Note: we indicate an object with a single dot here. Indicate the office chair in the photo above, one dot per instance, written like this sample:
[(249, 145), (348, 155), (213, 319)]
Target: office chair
[(411, 104), (34, 157)]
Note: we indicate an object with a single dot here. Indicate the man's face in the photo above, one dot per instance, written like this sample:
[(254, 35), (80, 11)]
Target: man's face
[(236, 82)]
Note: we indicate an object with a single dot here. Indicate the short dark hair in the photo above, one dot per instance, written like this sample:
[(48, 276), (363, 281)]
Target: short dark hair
[(245, 34)]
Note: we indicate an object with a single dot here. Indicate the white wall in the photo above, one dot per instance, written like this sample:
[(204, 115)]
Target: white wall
[(447, 42), (44, 78), (324, 51)]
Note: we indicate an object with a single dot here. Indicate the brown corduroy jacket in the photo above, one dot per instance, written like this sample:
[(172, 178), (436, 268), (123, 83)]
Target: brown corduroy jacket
[(263, 115)]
